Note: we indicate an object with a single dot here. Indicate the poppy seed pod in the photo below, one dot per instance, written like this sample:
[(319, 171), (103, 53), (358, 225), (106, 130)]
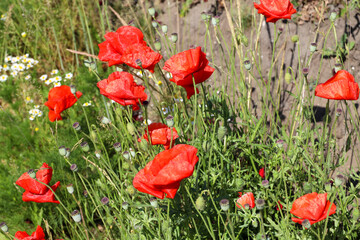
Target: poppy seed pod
[(224, 204), (157, 45), (138, 62), (85, 146), (90, 64), (174, 37), (67, 154), (105, 200), (70, 188), (305, 71), (306, 223), (333, 16), (117, 146), (125, 205), (154, 24), (337, 67), (76, 126), (62, 150), (339, 180), (204, 16), (32, 173), (200, 203), (74, 167), (247, 65), (280, 30), (170, 121), (260, 203), (280, 143), (265, 183), (164, 28), (73, 89), (154, 202), (313, 47), (105, 120), (125, 165), (130, 190), (215, 21), (4, 227), (222, 131), (132, 152), (76, 216), (328, 187), (151, 11), (338, 112), (126, 155), (295, 38)]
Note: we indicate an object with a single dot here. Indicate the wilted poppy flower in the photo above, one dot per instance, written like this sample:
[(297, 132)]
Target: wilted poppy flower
[(160, 134), (275, 10), (164, 173), (186, 65), (312, 206), (262, 173), (341, 86), (277, 206), (121, 88), (126, 45), (36, 191), (247, 198), (37, 235), (60, 99)]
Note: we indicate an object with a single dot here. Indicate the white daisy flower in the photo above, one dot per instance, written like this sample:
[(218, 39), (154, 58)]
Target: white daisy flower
[(47, 82), (87, 104), (30, 60), (139, 73), (23, 34), (14, 73), (8, 59), (3, 17), (15, 59), (32, 117), (69, 76), (25, 56), (40, 113), (29, 65), (6, 67), (3, 78), (55, 71), (147, 122), (57, 84), (36, 62), (14, 67), (37, 106), (28, 77), (0, 68), (168, 75), (43, 77), (21, 67), (57, 79), (28, 100)]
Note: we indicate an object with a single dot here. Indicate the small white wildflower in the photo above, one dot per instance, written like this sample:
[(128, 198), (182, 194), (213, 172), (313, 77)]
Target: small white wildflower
[(55, 71), (3, 78), (40, 113), (21, 67), (69, 76), (36, 62), (30, 60), (28, 77), (147, 122), (47, 82), (57, 79), (57, 84), (43, 77), (6, 67), (139, 73), (28, 100), (37, 106), (24, 56), (165, 110), (8, 59), (168, 75), (29, 65), (87, 104), (0, 68), (23, 34), (32, 117), (14, 73), (14, 67)]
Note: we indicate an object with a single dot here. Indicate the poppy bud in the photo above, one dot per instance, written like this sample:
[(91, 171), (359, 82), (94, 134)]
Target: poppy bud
[(247, 65), (130, 190), (174, 37), (74, 167), (206, 146), (90, 64), (125, 165), (131, 128), (164, 28), (98, 154), (305, 71), (105, 120), (355, 214), (224, 204), (85, 193), (157, 45), (280, 30), (287, 77), (244, 40), (76, 126), (313, 47), (338, 112), (337, 67), (76, 216), (254, 223), (215, 21), (295, 38), (260, 203), (306, 223), (144, 144), (265, 183), (105, 200), (117, 147), (62, 150), (67, 154), (154, 24), (85, 146), (170, 121), (132, 152), (151, 11), (138, 62), (339, 180), (4, 227), (204, 16), (307, 187), (222, 132), (154, 202), (70, 188), (73, 89), (125, 205), (328, 186), (93, 135), (200, 203), (333, 16), (126, 155), (32, 173)]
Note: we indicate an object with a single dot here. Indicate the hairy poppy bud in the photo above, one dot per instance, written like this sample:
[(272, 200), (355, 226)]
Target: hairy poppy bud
[(200, 203), (70, 188), (265, 183), (126, 155), (215, 21), (306, 223), (204, 16), (206, 146), (287, 77), (170, 121), (125, 205), (247, 65), (157, 45), (222, 132), (32, 173), (328, 186), (154, 202), (105, 200), (76, 216), (125, 165), (307, 187), (76, 126), (313, 47), (339, 180), (117, 147), (73, 89), (67, 154), (244, 40), (151, 11), (4, 227), (154, 24), (105, 120), (144, 144), (333, 16), (295, 38), (62, 150), (93, 135), (260, 203), (174, 37), (74, 167), (224, 204), (130, 190), (164, 28), (85, 146), (131, 128)]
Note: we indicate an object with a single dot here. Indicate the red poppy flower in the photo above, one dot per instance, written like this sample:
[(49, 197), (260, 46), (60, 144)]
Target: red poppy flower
[(164, 173), (312, 206), (126, 45), (36, 191), (274, 10), (160, 134), (186, 65), (341, 86), (247, 198), (37, 235), (262, 173), (60, 99), (121, 88)]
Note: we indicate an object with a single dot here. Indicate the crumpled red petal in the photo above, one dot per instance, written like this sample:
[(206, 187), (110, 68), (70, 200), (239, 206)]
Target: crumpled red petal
[(43, 198), (44, 175), (37, 235), (275, 10), (160, 134), (247, 198)]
